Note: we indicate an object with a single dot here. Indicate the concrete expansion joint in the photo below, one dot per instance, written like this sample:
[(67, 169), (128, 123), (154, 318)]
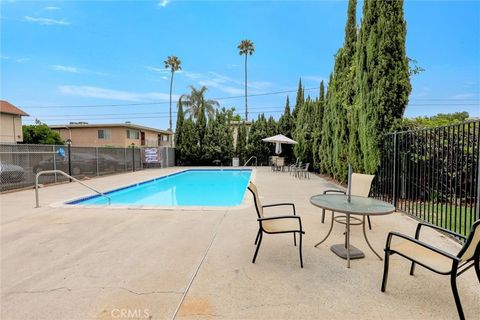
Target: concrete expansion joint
[(103, 288)]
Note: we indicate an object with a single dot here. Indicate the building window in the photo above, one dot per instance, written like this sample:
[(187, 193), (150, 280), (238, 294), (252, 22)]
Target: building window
[(164, 138), (104, 134), (133, 134)]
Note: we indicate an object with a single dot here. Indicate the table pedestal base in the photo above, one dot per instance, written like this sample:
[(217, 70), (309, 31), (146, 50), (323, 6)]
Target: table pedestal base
[(341, 251)]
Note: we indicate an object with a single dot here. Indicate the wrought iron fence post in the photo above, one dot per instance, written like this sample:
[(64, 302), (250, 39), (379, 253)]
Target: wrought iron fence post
[(96, 156), (477, 210), (133, 157), (69, 148), (394, 180), (125, 158), (54, 162)]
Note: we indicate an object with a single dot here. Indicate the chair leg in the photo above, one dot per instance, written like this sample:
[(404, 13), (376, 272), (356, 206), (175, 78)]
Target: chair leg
[(294, 239), (453, 282), (258, 235), (477, 267), (300, 250), (412, 269), (369, 223), (385, 270), (323, 215), (258, 247)]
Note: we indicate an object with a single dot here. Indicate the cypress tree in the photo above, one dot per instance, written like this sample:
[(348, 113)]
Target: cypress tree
[(255, 145), (317, 127), (189, 148), (285, 127), (241, 142), (179, 132), (201, 126), (326, 142), (300, 100), (343, 94), (383, 77), (303, 132), (218, 140)]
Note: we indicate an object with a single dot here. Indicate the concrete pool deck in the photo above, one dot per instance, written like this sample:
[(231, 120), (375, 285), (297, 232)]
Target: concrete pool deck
[(91, 263)]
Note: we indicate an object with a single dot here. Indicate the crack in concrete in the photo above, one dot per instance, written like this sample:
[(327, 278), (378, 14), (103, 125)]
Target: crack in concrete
[(121, 288)]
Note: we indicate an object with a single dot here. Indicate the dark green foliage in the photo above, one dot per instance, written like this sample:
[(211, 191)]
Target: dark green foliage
[(241, 147), (326, 143), (255, 145), (179, 132), (304, 131), (188, 151), (286, 125), (218, 140), (40, 133), (300, 100), (383, 75), (440, 119), (317, 127)]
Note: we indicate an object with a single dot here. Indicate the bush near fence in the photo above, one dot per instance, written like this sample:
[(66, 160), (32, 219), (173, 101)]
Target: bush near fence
[(21, 162), (433, 174)]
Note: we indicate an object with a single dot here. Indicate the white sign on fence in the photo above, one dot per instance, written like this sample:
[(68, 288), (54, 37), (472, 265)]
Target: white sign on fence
[(151, 155)]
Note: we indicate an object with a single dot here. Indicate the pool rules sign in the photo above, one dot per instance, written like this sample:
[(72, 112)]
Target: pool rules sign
[(151, 155)]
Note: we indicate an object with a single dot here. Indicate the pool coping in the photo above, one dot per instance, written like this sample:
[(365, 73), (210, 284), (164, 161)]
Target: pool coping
[(68, 203)]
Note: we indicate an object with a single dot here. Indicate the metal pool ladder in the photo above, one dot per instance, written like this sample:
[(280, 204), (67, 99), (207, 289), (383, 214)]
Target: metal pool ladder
[(252, 157), (37, 201)]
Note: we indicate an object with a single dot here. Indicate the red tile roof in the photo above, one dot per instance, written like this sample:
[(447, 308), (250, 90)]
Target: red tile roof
[(7, 107)]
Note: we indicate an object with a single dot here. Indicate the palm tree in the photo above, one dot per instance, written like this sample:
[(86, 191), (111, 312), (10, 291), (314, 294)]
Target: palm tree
[(246, 47), (193, 103), (173, 63)]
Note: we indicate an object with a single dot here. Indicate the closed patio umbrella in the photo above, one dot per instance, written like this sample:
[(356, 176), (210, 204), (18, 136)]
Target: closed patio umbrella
[(279, 139)]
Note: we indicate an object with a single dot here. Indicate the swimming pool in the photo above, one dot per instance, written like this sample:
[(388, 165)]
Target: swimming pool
[(195, 187)]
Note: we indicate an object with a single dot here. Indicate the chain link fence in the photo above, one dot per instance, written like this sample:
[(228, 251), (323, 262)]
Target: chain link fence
[(19, 163)]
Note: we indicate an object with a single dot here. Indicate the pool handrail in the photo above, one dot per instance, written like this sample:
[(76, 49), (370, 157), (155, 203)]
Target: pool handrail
[(37, 201), (252, 157)]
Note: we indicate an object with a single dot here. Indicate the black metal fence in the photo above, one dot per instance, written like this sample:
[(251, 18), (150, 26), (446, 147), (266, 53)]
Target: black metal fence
[(433, 174), (19, 163)]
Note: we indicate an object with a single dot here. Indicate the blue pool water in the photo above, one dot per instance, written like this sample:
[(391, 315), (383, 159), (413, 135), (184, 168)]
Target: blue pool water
[(215, 188)]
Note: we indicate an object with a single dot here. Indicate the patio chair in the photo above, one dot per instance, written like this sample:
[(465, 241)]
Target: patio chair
[(293, 166), (361, 185), (303, 172), (434, 259), (276, 224), (279, 165)]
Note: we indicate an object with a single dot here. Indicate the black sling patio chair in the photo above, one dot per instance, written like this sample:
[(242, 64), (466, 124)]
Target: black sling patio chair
[(434, 259), (276, 224)]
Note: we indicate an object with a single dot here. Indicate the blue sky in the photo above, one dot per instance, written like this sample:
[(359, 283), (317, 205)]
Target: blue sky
[(86, 53)]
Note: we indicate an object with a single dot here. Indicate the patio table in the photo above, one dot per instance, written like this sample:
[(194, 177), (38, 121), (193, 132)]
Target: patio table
[(360, 206)]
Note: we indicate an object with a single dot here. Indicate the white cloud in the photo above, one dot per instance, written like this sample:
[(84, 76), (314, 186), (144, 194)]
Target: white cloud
[(65, 68), (102, 93), (232, 65), (163, 3), (46, 21), (51, 8), (157, 69), (226, 84), (317, 79), (465, 96), (22, 60)]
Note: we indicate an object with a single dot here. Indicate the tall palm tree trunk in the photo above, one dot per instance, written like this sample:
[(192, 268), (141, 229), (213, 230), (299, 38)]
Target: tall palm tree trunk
[(246, 104), (171, 84)]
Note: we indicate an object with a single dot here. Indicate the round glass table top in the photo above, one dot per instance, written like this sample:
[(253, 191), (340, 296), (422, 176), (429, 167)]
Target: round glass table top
[(357, 205)]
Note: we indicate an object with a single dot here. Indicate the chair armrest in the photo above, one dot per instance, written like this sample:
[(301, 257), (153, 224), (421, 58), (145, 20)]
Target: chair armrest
[(421, 243), (281, 204), (420, 224), (283, 217), (334, 191)]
